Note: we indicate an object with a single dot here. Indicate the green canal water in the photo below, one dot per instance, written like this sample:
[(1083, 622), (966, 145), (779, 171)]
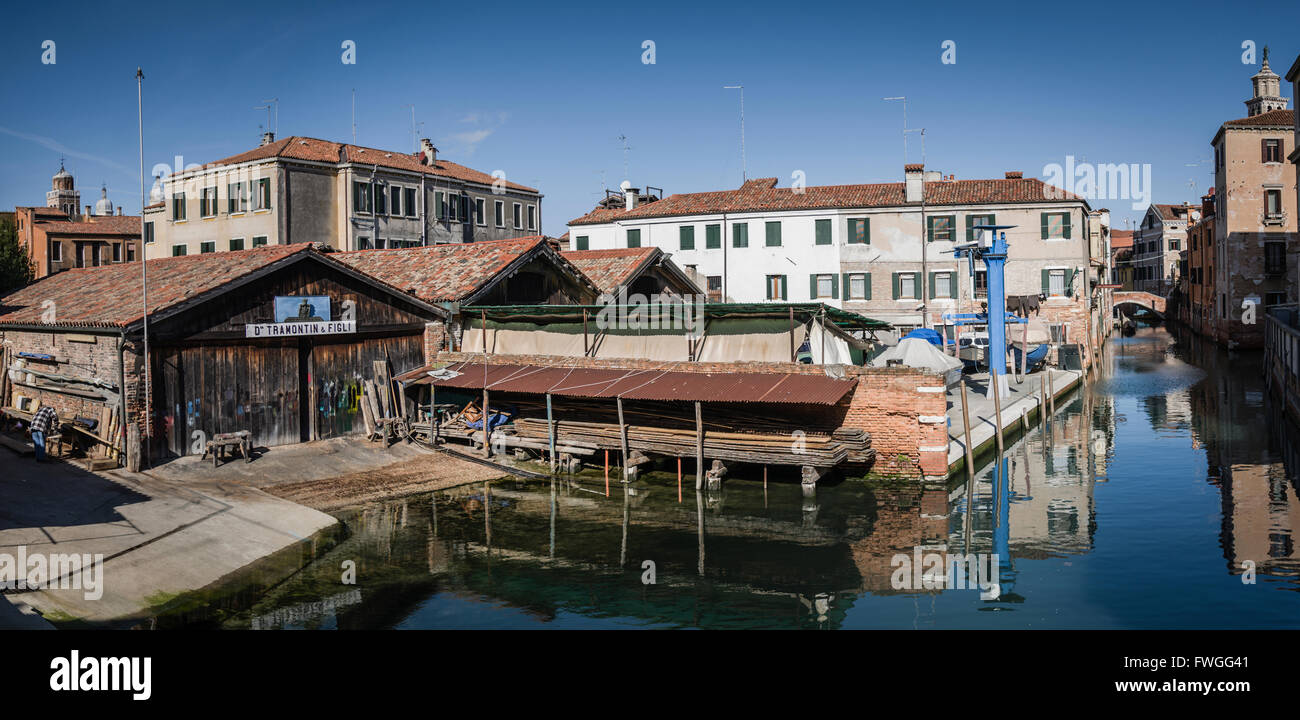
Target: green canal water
[(1162, 495)]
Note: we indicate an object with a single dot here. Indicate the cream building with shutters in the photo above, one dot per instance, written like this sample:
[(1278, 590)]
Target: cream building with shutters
[(861, 247)]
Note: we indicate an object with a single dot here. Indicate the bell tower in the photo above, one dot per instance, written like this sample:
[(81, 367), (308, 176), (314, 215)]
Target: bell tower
[(1266, 89), (64, 195)]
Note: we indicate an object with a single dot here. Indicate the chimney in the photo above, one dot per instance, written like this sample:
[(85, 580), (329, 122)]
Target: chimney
[(933, 176), (429, 151), (1015, 175), (119, 211), (913, 173), (87, 211), (630, 196), (268, 138)]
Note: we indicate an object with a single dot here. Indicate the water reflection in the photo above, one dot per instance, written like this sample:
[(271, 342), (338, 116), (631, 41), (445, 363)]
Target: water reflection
[(1150, 487)]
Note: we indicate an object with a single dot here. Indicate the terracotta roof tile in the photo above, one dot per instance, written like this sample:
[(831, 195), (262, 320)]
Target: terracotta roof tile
[(1269, 119), (305, 148), (441, 273), (754, 196), (609, 269), (1120, 239), (96, 225), (109, 295)]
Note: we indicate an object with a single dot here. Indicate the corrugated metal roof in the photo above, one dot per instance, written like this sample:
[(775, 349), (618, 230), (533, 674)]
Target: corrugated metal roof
[(790, 388)]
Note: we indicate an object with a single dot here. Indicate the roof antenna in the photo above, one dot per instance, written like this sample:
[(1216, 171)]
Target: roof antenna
[(626, 147)]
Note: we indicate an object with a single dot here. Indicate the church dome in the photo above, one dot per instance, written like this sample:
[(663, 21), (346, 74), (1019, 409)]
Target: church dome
[(62, 179), (104, 206)]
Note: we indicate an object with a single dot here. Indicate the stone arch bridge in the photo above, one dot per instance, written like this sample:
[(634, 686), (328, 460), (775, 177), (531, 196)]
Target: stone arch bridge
[(1150, 301)]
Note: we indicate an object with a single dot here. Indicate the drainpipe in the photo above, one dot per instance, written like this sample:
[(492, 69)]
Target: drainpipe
[(724, 260), (121, 391)]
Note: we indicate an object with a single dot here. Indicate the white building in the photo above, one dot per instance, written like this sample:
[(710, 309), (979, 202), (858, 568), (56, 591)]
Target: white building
[(884, 250)]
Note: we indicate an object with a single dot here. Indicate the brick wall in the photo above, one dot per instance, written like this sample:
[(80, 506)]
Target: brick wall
[(902, 408)]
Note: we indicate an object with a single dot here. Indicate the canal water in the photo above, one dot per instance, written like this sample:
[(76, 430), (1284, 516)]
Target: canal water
[(1162, 495)]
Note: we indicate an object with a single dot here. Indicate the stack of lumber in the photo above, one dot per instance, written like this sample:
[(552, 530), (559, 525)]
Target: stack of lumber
[(818, 449)]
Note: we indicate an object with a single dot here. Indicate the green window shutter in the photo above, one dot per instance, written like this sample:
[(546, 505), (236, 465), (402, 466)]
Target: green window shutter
[(896, 289), (822, 232), (952, 284), (634, 238), (1043, 219), (712, 237), (1065, 226), (687, 236), (866, 235), (844, 280), (859, 231), (773, 234), (812, 286), (1069, 279), (1047, 276), (970, 228), (835, 286), (867, 282), (437, 204), (740, 235), (934, 277), (929, 229), (785, 290), (583, 242)]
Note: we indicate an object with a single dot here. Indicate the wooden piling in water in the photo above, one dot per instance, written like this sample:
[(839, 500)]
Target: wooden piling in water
[(997, 407), (622, 436), (965, 421), (699, 446), (550, 430)]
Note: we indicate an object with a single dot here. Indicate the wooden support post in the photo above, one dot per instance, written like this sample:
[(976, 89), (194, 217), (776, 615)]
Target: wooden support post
[(965, 423), (679, 479), (1051, 392), (606, 473), (792, 347), (550, 430), (1042, 397), (487, 443), (586, 349), (622, 437), (997, 408), (699, 444), (1024, 350)]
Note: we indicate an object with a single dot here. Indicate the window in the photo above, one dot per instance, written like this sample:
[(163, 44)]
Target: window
[(1272, 151), (905, 286), (263, 199), (259, 241), (1054, 281), (395, 200), (981, 283), (776, 285), (499, 211), (236, 243), (381, 200), (439, 205), (178, 206), (973, 221), (633, 236), (518, 210), (1274, 298), (859, 231), (56, 252), (740, 235), (409, 205), (237, 200), (465, 210), (822, 232), (208, 202), (581, 242), (686, 237), (824, 287), (714, 285), (940, 228), (117, 252), (480, 211), (712, 237), (1272, 204), (363, 243), (532, 217), (943, 285), (774, 236), (857, 286), (130, 252), (178, 250), (208, 247), (1055, 226), (1274, 258), (361, 197), (148, 232)]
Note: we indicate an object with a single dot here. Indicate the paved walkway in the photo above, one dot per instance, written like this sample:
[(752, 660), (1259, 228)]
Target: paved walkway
[(1024, 395), (159, 536)]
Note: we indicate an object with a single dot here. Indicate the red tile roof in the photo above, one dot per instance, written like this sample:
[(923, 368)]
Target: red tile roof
[(305, 148), (1172, 212), (1120, 239), (1272, 118), (609, 269), (109, 295), (96, 225), (443, 273), (757, 196)]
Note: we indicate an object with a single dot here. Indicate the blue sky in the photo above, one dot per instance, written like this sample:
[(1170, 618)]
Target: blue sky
[(543, 91)]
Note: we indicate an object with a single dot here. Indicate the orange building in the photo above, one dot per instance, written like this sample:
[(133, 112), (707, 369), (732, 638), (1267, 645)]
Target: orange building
[(59, 236)]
